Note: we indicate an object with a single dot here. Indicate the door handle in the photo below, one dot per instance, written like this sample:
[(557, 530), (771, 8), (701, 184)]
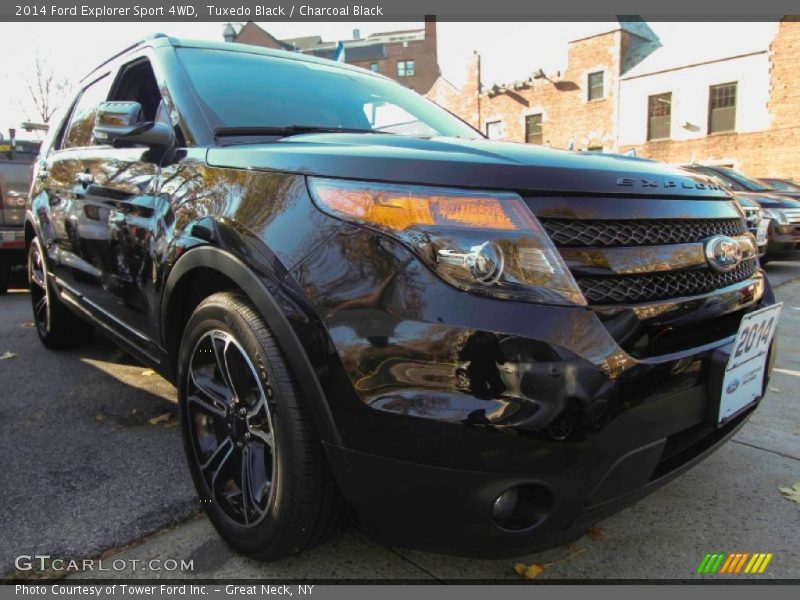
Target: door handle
[(84, 179)]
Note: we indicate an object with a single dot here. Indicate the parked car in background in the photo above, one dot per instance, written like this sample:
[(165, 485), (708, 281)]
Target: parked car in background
[(781, 210), (756, 223), (737, 179), (367, 307), (781, 185), (16, 161)]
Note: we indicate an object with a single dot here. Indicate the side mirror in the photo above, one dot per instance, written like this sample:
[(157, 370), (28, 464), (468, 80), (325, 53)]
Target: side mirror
[(123, 122)]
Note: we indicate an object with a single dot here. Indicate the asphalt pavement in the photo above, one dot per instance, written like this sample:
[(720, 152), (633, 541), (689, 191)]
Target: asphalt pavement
[(96, 467)]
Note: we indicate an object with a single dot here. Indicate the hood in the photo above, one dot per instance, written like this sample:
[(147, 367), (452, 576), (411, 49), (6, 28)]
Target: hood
[(768, 199), (464, 163)]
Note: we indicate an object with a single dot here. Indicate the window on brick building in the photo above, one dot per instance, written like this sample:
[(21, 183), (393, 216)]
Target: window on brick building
[(373, 67), (495, 130), (659, 116), (405, 68), (722, 108), (594, 149), (533, 129), (595, 86)]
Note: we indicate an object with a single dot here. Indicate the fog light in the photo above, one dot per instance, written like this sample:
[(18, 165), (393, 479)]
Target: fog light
[(522, 507), (504, 505)]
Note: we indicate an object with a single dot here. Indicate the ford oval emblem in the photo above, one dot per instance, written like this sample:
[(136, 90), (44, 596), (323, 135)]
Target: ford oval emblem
[(723, 253), (732, 386)]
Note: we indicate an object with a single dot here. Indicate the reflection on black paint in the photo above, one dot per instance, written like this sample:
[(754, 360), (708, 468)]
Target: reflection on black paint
[(482, 352)]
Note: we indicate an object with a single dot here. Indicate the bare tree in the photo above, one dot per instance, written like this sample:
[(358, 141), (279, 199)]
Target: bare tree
[(46, 91)]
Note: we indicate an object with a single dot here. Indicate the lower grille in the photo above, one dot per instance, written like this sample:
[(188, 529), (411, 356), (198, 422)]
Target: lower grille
[(625, 289)]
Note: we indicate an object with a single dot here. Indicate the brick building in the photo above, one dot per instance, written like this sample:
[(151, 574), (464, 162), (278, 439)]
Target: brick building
[(408, 56), (623, 89)]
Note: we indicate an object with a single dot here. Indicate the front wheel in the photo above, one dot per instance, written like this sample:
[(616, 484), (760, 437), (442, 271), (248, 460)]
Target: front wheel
[(252, 449), (56, 325)]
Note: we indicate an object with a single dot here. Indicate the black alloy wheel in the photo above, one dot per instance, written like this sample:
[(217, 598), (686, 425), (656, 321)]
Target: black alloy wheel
[(38, 289), (253, 451), (57, 326), (231, 427)]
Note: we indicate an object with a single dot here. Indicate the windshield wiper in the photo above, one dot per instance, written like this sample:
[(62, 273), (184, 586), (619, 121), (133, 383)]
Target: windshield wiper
[(286, 131)]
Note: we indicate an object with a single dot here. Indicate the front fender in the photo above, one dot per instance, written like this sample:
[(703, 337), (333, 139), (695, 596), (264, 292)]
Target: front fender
[(269, 306)]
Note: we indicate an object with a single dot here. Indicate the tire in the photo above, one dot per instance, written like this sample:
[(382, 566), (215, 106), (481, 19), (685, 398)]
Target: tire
[(254, 455), (57, 326), (5, 273)]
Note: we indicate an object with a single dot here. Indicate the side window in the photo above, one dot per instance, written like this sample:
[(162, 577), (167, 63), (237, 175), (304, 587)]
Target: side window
[(137, 83), (79, 132), (596, 89)]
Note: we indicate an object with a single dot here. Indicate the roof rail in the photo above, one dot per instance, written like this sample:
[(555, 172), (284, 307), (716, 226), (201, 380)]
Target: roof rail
[(152, 36)]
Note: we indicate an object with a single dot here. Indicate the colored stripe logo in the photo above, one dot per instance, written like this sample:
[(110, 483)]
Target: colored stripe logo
[(734, 563)]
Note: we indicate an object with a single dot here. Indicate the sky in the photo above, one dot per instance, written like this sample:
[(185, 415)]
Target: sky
[(509, 51)]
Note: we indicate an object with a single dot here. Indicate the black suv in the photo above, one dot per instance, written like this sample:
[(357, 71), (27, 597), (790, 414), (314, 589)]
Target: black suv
[(370, 310)]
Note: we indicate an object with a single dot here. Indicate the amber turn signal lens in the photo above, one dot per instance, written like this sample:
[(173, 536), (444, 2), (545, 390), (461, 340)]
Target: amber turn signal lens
[(397, 210)]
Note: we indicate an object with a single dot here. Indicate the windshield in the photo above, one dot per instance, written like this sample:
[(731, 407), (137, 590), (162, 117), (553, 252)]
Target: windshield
[(781, 185), (751, 185), (243, 90), (717, 178)]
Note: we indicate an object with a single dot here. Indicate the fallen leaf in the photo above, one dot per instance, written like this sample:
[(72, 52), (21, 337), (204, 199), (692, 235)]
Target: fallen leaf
[(792, 493), (6, 355), (148, 373), (27, 324), (776, 390), (533, 571), (162, 418), (596, 533), (100, 418), (529, 571)]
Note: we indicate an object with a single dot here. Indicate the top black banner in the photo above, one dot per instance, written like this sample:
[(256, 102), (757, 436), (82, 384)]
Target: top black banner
[(390, 10)]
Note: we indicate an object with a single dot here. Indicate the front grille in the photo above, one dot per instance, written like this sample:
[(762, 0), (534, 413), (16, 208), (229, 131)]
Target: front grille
[(626, 289), (752, 216), (792, 215), (653, 232)]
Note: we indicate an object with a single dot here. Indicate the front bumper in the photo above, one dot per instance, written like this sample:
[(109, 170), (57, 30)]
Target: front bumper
[(658, 431), (449, 510), (784, 241), (12, 245)]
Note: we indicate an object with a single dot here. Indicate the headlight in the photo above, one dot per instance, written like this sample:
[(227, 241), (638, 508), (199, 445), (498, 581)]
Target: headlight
[(482, 242), (15, 200), (776, 214)]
